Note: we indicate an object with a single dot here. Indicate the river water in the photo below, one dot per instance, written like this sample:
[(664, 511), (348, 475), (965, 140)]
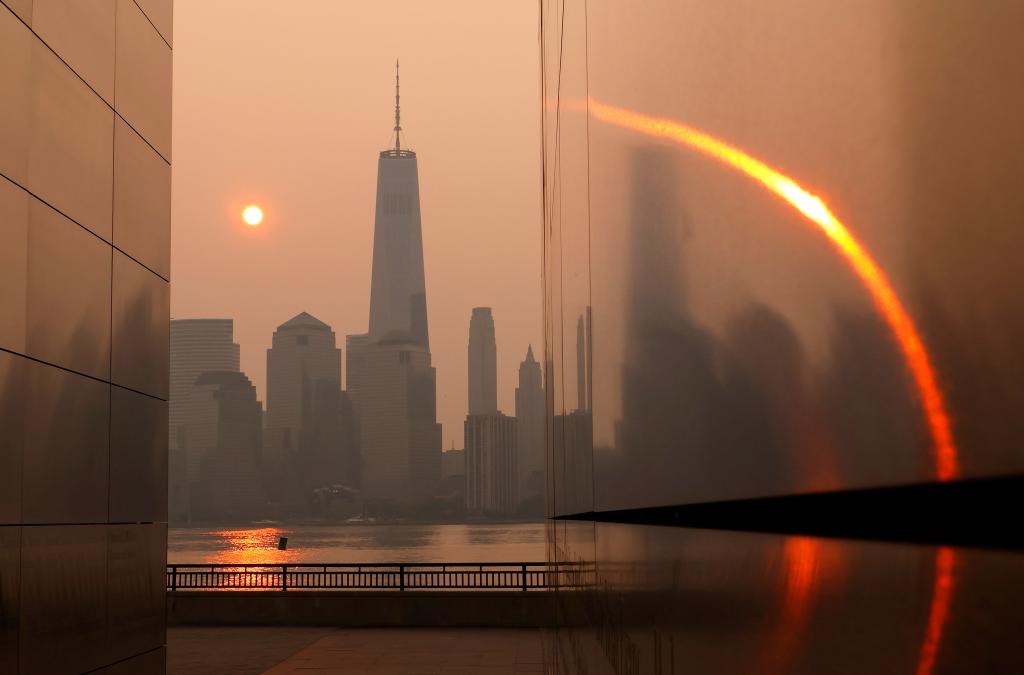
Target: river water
[(478, 542)]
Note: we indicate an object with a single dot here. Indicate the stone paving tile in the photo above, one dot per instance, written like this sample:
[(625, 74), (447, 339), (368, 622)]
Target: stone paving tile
[(233, 650), (422, 651)]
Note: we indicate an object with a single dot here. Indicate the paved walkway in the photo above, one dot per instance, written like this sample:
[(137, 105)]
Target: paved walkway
[(327, 651)]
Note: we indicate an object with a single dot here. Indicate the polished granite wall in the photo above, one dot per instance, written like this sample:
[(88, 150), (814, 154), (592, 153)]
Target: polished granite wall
[(735, 351), (85, 149)]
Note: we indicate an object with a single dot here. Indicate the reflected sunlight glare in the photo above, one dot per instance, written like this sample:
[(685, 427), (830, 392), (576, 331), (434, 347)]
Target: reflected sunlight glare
[(815, 210), (942, 591), (252, 547)]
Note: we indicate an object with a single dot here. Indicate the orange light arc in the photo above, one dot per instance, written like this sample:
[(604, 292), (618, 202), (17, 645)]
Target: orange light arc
[(864, 266)]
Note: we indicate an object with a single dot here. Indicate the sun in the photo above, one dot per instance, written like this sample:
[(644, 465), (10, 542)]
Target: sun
[(252, 215)]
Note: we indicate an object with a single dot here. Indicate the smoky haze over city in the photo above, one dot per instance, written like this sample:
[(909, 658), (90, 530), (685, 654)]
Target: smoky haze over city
[(525, 336), (289, 111)]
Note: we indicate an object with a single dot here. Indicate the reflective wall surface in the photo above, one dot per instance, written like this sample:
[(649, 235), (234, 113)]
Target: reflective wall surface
[(84, 253), (781, 243)]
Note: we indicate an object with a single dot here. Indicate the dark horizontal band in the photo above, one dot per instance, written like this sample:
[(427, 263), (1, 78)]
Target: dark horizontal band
[(974, 513)]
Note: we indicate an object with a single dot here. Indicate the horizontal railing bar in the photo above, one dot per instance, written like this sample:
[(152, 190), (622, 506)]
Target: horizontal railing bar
[(522, 576), (384, 564)]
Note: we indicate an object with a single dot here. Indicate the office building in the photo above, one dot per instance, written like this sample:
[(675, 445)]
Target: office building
[(483, 367), (225, 433), (303, 353), (492, 472), (85, 188), (197, 346), (395, 390)]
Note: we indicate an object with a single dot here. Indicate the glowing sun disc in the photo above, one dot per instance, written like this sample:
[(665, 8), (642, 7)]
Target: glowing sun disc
[(252, 215)]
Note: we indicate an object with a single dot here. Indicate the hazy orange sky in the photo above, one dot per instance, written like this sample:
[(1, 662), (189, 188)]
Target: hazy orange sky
[(287, 104)]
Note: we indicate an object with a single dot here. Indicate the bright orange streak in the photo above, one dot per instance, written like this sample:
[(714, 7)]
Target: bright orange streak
[(945, 560), (882, 293)]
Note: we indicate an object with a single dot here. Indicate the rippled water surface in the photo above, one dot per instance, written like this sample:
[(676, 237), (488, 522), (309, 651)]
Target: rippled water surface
[(515, 542)]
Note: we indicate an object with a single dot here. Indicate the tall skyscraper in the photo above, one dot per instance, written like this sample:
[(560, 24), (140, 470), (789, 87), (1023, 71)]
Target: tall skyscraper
[(492, 472), (197, 346), (303, 352), (398, 297), (395, 396), (530, 421), (483, 367)]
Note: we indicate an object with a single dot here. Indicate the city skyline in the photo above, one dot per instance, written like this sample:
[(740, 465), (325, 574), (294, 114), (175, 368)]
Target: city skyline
[(311, 169)]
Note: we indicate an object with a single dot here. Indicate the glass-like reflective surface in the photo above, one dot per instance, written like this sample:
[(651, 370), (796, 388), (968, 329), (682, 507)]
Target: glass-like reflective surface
[(138, 457), (781, 243), (673, 600), (76, 453), (64, 474), (67, 312), (142, 201), (142, 90), (55, 132), (63, 599), (81, 32), (141, 328)]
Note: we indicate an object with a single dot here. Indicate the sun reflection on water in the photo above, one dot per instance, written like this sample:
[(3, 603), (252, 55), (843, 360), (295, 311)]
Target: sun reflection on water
[(252, 547)]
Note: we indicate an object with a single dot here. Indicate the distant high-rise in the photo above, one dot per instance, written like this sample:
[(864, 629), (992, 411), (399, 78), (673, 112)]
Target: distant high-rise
[(355, 364), (530, 421), (392, 380), (492, 472), (197, 346), (303, 352), (483, 367), (398, 299), (584, 361), (224, 430)]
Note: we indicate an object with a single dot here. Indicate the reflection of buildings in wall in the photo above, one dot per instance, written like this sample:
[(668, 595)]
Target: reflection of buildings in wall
[(530, 428)]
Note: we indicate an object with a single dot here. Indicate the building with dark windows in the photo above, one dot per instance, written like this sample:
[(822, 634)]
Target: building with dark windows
[(225, 434), (790, 433), (197, 346), (492, 471), (303, 353), (483, 367), (85, 189), (530, 430), (393, 385)]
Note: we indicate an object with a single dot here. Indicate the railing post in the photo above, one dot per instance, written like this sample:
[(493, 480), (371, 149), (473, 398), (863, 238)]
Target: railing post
[(524, 576), (401, 577), (284, 577), (174, 577)]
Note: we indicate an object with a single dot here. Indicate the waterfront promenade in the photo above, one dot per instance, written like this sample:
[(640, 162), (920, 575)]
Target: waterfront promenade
[(282, 650)]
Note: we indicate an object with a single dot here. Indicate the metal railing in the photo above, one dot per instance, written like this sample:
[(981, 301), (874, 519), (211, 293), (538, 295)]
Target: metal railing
[(520, 576)]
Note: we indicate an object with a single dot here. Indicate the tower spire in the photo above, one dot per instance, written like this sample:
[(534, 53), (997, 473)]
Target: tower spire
[(398, 113)]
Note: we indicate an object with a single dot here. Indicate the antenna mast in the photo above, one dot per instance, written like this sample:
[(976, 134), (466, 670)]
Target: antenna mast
[(398, 113)]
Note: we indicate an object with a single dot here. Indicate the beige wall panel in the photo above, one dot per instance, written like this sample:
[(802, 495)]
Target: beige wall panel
[(23, 8), (16, 43), (142, 201), (142, 92), (13, 264), (82, 33), (160, 12)]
